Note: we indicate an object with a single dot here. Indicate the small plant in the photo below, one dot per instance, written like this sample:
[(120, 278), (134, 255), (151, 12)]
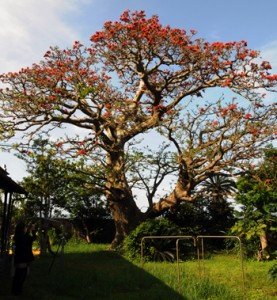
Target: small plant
[(272, 273)]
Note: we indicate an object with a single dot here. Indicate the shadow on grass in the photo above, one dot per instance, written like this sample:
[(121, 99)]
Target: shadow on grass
[(102, 275)]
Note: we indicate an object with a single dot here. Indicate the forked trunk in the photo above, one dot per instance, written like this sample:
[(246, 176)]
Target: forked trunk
[(181, 192)]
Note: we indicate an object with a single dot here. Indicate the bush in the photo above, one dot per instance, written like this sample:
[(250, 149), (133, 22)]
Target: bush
[(154, 249), (272, 273)]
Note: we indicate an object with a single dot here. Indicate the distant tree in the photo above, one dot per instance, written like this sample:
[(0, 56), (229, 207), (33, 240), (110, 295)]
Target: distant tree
[(159, 72), (45, 182), (59, 188), (221, 215), (85, 205), (257, 197)]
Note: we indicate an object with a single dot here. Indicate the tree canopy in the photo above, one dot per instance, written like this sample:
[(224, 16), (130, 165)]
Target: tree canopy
[(139, 75)]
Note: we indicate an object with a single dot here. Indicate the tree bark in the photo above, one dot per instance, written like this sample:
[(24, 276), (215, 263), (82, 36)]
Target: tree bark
[(126, 214), (264, 246), (87, 233), (126, 217), (180, 193)]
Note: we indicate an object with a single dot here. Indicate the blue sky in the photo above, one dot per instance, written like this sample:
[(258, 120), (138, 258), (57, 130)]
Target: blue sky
[(29, 27)]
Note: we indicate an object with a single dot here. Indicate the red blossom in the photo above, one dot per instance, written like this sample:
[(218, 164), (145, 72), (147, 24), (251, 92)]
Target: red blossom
[(233, 106), (242, 55), (107, 114), (253, 54), (77, 44), (226, 82), (255, 131), (271, 77), (266, 65), (47, 54), (82, 152), (247, 116), (224, 111), (125, 16), (59, 145)]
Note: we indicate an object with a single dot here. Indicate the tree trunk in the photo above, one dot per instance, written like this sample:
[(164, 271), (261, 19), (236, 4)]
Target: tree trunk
[(126, 217), (264, 246), (126, 214), (180, 193), (87, 233)]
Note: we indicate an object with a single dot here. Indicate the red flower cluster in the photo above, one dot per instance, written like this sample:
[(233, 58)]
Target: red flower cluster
[(267, 181), (247, 116), (255, 131), (266, 65), (215, 123), (242, 55), (82, 152), (226, 82), (233, 106), (271, 77), (59, 145)]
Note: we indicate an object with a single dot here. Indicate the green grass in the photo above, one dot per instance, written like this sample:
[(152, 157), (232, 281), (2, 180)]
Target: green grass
[(93, 272)]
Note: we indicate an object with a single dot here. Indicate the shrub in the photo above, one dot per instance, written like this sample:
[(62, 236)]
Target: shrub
[(154, 249), (272, 273)]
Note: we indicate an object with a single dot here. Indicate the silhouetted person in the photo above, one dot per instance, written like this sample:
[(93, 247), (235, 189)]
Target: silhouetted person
[(23, 255)]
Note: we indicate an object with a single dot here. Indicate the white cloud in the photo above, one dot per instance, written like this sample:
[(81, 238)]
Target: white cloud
[(29, 27)]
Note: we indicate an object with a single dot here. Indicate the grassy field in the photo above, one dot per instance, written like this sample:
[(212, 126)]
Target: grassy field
[(93, 272)]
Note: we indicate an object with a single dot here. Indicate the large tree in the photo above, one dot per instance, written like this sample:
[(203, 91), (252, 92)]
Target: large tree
[(136, 76)]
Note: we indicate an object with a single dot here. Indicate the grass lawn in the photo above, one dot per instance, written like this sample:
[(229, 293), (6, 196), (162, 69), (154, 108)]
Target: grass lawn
[(93, 272)]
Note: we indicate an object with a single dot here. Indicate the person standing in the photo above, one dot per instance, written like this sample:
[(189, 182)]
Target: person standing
[(23, 255)]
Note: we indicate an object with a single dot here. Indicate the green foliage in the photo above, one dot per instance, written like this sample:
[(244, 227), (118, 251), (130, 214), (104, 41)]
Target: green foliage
[(207, 216), (190, 216), (257, 195), (272, 273), (155, 249), (46, 182), (57, 186)]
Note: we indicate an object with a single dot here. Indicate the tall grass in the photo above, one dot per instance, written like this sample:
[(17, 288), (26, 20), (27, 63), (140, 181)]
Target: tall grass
[(93, 272)]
